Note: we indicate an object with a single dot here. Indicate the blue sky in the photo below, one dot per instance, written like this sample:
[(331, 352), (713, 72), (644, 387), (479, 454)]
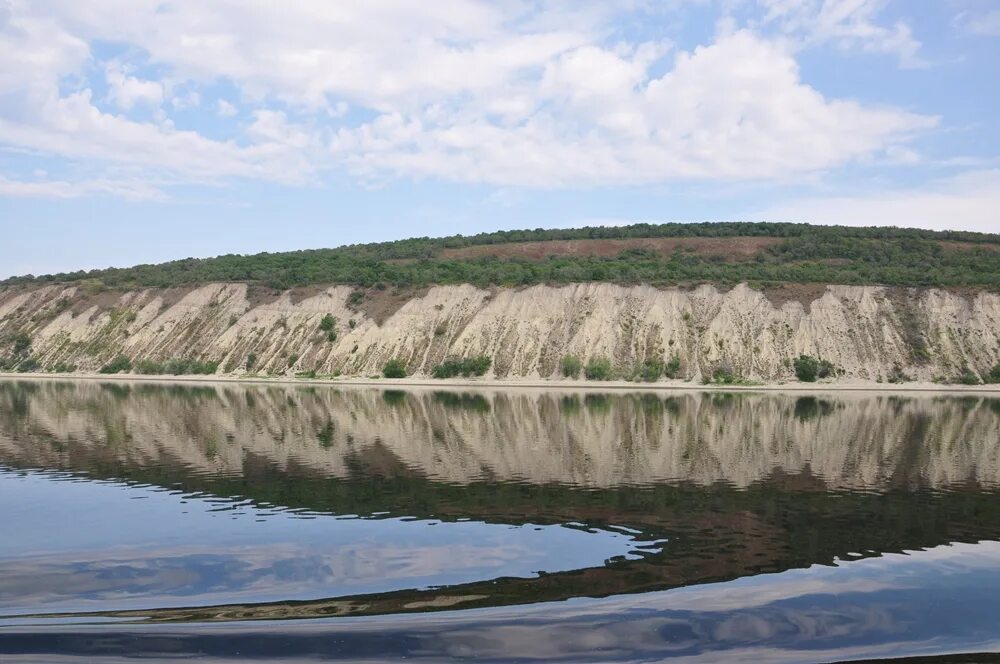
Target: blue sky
[(144, 130)]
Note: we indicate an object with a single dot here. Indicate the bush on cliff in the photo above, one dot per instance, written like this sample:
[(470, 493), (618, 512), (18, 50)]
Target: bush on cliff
[(394, 369), (650, 370), (468, 366), (570, 366), (673, 367), (598, 368), (808, 368), (117, 365)]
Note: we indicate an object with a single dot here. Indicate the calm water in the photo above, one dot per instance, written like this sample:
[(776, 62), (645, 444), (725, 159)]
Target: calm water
[(231, 522)]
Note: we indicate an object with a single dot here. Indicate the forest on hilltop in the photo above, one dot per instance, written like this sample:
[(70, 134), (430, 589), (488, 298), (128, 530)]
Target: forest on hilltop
[(802, 253)]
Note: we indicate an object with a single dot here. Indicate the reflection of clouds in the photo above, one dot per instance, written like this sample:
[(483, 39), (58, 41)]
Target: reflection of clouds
[(852, 441), (847, 617), (262, 573)]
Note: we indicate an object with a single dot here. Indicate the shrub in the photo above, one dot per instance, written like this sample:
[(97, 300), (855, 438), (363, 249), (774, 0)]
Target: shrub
[(900, 376), (967, 377), (808, 368), (394, 369), (476, 366), (205, 367), (117, 365), (22, 342), (331, 336), (64, 367), (447, 369), (251, 361), (651, 369), (994, 375), (724, 375), (28, 364), (148, 367), (472, 366), (352, 323), (292, 359), (175, 367), (570, 366), (327, 323), (598, 368), (673, 367), (184, 366)]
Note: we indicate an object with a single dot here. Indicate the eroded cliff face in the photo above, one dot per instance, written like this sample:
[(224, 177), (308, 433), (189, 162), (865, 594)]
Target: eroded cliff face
[(868, 332)]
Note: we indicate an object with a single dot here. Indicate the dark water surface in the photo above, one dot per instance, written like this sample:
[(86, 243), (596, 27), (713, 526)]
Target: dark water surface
[(288, 523)]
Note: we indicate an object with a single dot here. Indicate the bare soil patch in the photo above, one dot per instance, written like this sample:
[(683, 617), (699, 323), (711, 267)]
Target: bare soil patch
[(172, 296), (299, 293), (967, 246), (380, 305), (103, 300), (732, 248), (804, 294), (259, 295)]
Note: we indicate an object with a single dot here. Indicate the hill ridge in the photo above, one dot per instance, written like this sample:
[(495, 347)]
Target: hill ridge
[(704, 252)]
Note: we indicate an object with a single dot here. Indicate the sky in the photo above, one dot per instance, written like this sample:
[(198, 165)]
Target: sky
[(136, 131)]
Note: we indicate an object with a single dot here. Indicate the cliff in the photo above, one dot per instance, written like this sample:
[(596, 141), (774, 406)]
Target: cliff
[(867, 332)]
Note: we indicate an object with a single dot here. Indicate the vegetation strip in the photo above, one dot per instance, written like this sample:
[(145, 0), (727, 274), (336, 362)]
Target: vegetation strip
[(804, 254)]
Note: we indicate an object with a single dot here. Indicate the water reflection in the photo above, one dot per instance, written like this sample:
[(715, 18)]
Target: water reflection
[(84, 546), (877, 608), (850, 442), (681, 524)]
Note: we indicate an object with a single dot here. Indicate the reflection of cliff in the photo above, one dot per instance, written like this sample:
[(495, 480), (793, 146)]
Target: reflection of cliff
[(745, 490), (847, 441)]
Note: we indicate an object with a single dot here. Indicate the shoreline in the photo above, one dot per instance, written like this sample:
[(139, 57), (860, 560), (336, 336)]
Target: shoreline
[(519, 383)]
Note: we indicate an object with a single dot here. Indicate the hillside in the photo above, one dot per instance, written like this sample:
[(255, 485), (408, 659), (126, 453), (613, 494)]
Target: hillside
[(705, 302), (667, 254)]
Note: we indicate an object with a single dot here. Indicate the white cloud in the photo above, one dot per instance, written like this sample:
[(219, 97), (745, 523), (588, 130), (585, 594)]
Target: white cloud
[(848, 24), (225, 109), (126, 91), (735, 109), (129, 190), (503, 93), (72, 126), (987, 24), (186, 100), (969, 201)]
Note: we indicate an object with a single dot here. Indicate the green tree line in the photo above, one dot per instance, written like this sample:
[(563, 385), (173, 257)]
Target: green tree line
[(805, 254)]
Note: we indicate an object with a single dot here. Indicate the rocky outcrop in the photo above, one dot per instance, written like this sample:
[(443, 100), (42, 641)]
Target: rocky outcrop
[(868, 332)]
